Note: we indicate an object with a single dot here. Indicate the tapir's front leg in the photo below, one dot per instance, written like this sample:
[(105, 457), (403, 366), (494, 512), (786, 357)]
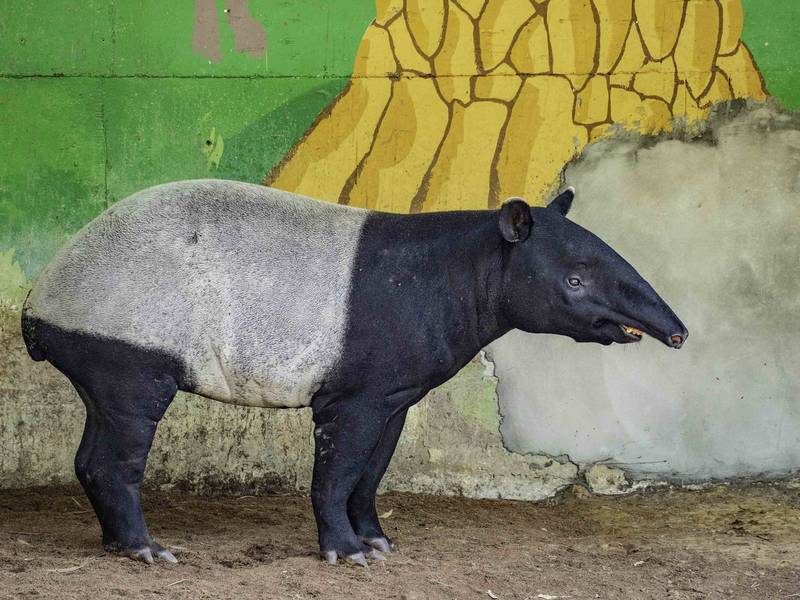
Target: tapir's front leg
[(346, 434), (361, 507)]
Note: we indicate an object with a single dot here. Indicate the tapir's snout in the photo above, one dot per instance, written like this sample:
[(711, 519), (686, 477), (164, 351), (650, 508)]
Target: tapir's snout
[(662, 324), (668, 328), (677, 340), (639, 310)]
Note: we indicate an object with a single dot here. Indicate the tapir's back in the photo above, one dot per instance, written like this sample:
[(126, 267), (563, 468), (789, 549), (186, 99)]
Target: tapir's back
[(246, 285)]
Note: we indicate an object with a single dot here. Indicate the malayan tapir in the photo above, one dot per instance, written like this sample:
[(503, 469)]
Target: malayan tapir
[(256, 296)]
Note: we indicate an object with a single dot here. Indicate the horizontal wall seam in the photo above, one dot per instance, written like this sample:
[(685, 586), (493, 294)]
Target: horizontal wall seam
[(406, 75), (142, 76)]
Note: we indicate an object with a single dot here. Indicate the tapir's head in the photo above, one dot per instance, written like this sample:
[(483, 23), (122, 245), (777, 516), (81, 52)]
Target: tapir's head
[(561, 278)]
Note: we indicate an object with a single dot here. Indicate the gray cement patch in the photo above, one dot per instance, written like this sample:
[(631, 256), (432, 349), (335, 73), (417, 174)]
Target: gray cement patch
[(714, 224)]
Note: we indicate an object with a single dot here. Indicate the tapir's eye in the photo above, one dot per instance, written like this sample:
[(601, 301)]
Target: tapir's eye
[(574, 282)]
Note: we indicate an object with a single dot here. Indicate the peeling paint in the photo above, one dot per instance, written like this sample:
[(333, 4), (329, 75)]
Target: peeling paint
[(249, 35), (205, 39)]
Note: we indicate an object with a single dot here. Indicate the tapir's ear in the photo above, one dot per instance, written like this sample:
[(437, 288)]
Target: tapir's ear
[(563, 201), (515, 220)]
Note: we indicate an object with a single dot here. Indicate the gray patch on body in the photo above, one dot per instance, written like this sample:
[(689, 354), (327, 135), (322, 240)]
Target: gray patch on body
[(247, 285)]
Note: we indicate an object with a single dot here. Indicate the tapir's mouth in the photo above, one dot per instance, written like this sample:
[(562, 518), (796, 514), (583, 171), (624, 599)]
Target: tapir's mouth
[(618, 332), (633, 334)]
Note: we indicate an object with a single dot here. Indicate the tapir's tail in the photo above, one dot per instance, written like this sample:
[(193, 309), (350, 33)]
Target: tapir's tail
[(29, 332)]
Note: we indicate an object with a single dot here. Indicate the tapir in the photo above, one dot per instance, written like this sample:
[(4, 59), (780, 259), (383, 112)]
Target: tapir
[(256, 296)]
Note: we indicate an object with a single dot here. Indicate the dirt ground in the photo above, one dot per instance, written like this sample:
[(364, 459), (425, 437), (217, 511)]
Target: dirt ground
[(722, 542)]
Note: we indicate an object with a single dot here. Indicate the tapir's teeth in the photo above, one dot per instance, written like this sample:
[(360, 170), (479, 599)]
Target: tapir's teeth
[(633, 331)]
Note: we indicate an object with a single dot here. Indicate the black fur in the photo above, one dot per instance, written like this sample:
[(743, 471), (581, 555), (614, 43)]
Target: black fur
[(428, 292), (424, 300)]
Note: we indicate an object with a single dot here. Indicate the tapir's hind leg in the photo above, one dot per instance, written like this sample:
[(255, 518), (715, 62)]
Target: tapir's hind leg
[(361, 508), (120, 425), (126, 390)]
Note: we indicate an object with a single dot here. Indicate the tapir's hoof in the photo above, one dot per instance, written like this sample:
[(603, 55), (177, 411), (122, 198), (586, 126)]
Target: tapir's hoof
[(381, 544), (150, 553), (359, 558)]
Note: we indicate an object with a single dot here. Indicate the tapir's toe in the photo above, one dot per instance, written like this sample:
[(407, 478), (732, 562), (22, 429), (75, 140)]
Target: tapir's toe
[(143, 554), (359, 558), (166, 555), (382, 544), (376, 555), (150, 553)]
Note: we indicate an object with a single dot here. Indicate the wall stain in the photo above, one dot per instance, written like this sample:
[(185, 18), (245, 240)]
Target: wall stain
[(250, 37), (213, 148)]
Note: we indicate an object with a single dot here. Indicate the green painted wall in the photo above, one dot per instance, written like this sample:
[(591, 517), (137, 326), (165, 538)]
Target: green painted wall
[(99, 99), (772, 32)]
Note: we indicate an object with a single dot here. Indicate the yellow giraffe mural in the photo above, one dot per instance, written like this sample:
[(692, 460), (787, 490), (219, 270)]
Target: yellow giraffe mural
[(458, 104)]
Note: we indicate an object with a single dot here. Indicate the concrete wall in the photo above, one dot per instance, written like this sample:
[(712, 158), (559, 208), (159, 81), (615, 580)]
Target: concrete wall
[(714, 224), (446, 105)]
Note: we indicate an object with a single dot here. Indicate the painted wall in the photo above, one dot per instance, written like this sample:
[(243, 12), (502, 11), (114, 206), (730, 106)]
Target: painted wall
[(519, 88), (429, 105)]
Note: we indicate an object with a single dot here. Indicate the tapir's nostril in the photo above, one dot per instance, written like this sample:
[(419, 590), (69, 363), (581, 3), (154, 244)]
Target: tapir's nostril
[(677, 339)]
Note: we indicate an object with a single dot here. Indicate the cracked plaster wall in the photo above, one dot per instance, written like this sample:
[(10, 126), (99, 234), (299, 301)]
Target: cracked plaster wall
[(714, 224)]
